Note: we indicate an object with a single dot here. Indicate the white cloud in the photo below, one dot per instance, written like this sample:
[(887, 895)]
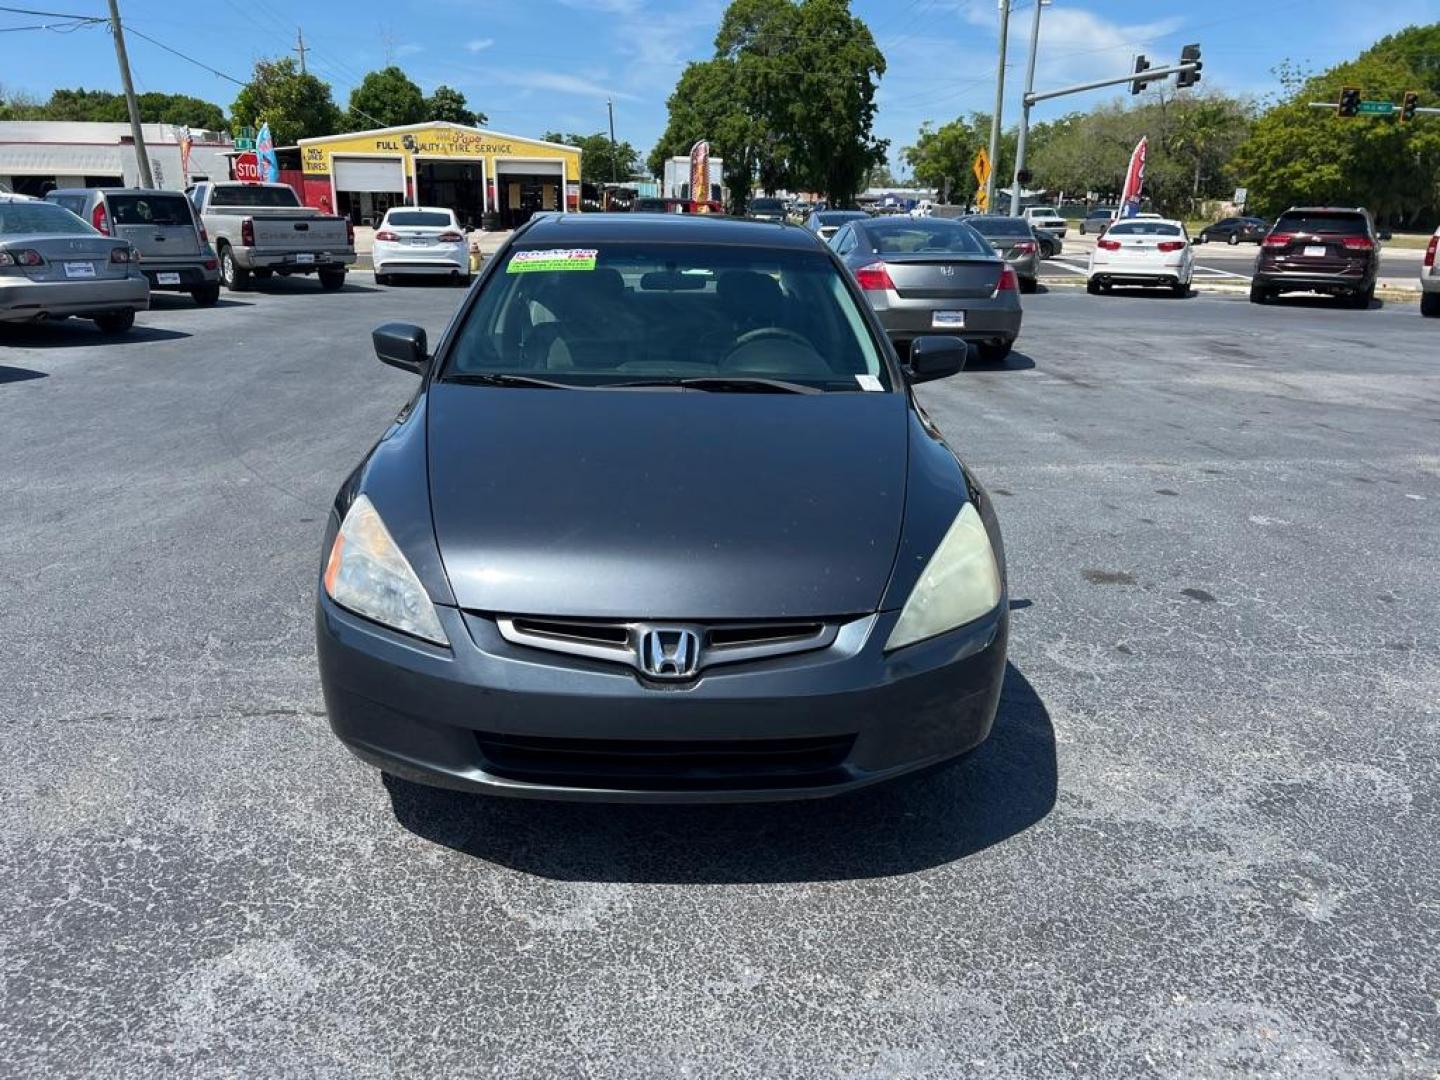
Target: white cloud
[(609, 7), (560, 82), (409, 49), (479, 44)]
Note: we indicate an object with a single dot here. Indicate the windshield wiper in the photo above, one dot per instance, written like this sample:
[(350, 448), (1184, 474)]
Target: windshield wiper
[(472, 378), (728, 384)]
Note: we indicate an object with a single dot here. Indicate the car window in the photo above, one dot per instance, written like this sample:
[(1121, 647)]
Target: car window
[(1043, 211), (249, 195), (1307, 222), (25, 218), (74, 203), (1144, 228), (839, 217), (767, 204), (416, 218), (904, 236), (999, 226), (149, 209), (627, 312)]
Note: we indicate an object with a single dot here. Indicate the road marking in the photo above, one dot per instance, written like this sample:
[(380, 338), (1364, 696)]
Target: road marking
[(1070, 266), (1222, 273)]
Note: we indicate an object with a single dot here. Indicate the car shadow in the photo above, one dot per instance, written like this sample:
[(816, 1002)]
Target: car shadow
[(300, 283), (1001, 789), (20, 374), (77, 333), (1321, 303), (1015, 361), (433, 281), (182, 302)]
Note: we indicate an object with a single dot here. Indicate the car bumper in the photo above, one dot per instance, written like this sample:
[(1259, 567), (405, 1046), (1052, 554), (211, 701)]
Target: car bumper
[(1348, 279), (987, 321), (490, 716), (23, 300), (1026, 266), (402, 259), (192, 274), (1136, 272), (290, 262), (1430, 279)]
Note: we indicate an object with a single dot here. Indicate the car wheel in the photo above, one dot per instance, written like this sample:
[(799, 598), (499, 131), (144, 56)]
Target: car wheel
[(332, 280), (115, 322), (382, 279), (1181, 290), (1233, 239), (1360, 301), (1203, 238), (1430, 305), (1092, 287), (235, 278), (993, 354), (1259, 295), (206, 295), (1028, 284)]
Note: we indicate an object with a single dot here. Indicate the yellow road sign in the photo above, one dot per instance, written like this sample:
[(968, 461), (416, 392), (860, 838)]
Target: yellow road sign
[(981, 168)]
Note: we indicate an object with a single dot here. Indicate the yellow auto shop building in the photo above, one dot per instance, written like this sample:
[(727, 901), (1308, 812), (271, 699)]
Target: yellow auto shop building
[(486, 177)]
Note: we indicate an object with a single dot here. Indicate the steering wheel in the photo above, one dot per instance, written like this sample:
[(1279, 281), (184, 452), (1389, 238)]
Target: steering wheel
[(763, 332)]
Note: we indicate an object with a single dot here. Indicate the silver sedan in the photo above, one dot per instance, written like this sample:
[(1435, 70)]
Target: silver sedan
[(934, 276), (53, 264)]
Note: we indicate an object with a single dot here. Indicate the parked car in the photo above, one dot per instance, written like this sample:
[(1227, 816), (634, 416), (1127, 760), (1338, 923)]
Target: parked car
[(647, 204), (767, 209), (1430, 279), (1234, 230), (1046, 219), (54, 264), (826, 223), (1331, 250), (1098, 220), (591, 560), (174, 251), (1016, 242), (420, 240), (1140, 251), (934, 276), (261, 229)]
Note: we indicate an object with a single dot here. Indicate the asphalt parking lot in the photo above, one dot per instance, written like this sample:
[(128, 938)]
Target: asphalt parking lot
[(1201, 841)]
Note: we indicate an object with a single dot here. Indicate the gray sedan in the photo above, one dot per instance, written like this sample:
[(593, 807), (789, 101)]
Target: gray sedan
[(1016, 241), (934, 276), (53, 265)]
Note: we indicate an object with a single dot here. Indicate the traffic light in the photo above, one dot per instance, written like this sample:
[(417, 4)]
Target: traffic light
[(1141, 64), (1349, 101), (1408, 104), (1190, 54)]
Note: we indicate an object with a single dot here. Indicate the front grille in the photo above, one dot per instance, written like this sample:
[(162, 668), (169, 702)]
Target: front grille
[(654, 765), (602, 634), (721, 637)]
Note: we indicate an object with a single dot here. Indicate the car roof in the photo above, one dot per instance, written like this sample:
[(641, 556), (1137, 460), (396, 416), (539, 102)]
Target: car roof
[(1149, 221), (1328, 210), (699, 229), (419, 210), (113, 191)]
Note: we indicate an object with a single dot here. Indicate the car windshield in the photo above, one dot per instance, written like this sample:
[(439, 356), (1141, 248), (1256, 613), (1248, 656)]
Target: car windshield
[(766, 204), (839, 217), (999, 226), (1144, 228), (251, 195), (1339, 224), (149, 209), (38, 218), (1100, 213), (904, 236), (1043, 211), (418, 217), (661, 313)]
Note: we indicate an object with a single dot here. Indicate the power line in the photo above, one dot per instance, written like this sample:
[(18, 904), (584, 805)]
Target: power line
[(191, 59), (54, 15)]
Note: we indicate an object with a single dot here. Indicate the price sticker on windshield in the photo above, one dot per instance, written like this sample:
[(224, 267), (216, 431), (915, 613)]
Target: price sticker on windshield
[(545, 261)]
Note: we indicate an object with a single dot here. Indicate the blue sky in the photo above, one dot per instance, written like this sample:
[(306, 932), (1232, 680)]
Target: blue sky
[(537, 65)]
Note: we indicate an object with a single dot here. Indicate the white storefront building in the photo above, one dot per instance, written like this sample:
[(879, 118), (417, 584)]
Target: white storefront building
[(39, 155)]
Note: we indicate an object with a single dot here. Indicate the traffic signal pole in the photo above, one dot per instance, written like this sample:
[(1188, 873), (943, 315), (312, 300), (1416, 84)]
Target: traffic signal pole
[(1025, 112)]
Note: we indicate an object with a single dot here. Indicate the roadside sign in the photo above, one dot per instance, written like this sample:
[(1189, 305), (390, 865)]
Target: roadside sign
[(247, 168), (981, 168), (1241, 194), (1376, 108)]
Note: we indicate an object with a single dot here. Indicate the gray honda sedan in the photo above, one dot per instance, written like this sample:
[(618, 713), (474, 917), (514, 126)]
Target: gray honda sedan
[(934, 276), (662, 521)]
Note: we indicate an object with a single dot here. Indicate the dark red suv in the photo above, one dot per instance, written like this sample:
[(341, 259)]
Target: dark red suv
[(1319, 249)]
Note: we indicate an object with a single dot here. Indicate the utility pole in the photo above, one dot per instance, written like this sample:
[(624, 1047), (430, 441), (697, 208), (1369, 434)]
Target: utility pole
[(300, 47), (999, 106), (614, 154), (142, 156), (1025, 113)]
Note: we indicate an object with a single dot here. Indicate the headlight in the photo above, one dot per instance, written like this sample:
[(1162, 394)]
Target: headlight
[(367, 574), (960, 583)]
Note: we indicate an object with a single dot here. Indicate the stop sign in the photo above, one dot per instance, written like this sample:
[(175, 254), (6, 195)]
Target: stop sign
[(247, 168)]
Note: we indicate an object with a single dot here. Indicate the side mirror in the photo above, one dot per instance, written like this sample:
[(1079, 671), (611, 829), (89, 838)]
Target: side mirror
[(403, 346), (936, 356)]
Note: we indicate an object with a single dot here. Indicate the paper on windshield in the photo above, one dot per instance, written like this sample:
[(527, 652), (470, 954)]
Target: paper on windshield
[(547, 260)]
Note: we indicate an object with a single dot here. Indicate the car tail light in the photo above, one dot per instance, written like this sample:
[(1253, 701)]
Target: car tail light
[(1008, 281), (119, 255), (211, 264), (1277, 240), (100, 219), (875, 277), (1430, 251), (1108, 245), (1170, 245), (386, 234), (450, 238), (1358, 243), (21, 257), (204, 236), (1026, 247), (247, 232), (349, 232)]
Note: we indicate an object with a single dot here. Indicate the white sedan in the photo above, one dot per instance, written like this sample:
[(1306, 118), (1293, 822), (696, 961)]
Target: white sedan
[(420, 240), (1142, 252)]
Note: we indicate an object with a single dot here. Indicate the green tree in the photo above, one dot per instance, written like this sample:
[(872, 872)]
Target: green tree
[(447, 103), (600, 164), (386, 98), (296, 106), (704, 106), (102, 105)]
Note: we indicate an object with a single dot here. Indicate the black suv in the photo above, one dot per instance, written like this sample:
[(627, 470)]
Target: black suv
[(1319, 249)]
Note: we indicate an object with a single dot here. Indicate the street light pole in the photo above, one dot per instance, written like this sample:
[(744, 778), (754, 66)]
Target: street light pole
[(1025, 113), (142, 156), (614, 156), (999, 105)]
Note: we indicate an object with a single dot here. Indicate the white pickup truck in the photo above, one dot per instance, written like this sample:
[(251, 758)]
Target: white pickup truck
[(261, 229), (1045, 218)]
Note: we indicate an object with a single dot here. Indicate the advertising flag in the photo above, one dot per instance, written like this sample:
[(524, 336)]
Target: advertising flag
[(1134, 180), (265, 151), (187, 143), (700, 177)]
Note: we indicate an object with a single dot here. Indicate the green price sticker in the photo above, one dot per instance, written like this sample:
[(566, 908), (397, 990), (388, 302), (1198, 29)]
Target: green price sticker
[(541, 262)]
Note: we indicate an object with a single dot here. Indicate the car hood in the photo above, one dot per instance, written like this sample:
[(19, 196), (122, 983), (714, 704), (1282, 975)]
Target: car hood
[(666, 504)]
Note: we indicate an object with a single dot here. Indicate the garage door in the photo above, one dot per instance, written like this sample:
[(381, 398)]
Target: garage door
[(369, 174)]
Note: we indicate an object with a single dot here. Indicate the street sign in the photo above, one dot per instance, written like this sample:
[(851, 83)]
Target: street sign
[(247, 168), (1376, 108), (981, 168), (1241, 194)]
